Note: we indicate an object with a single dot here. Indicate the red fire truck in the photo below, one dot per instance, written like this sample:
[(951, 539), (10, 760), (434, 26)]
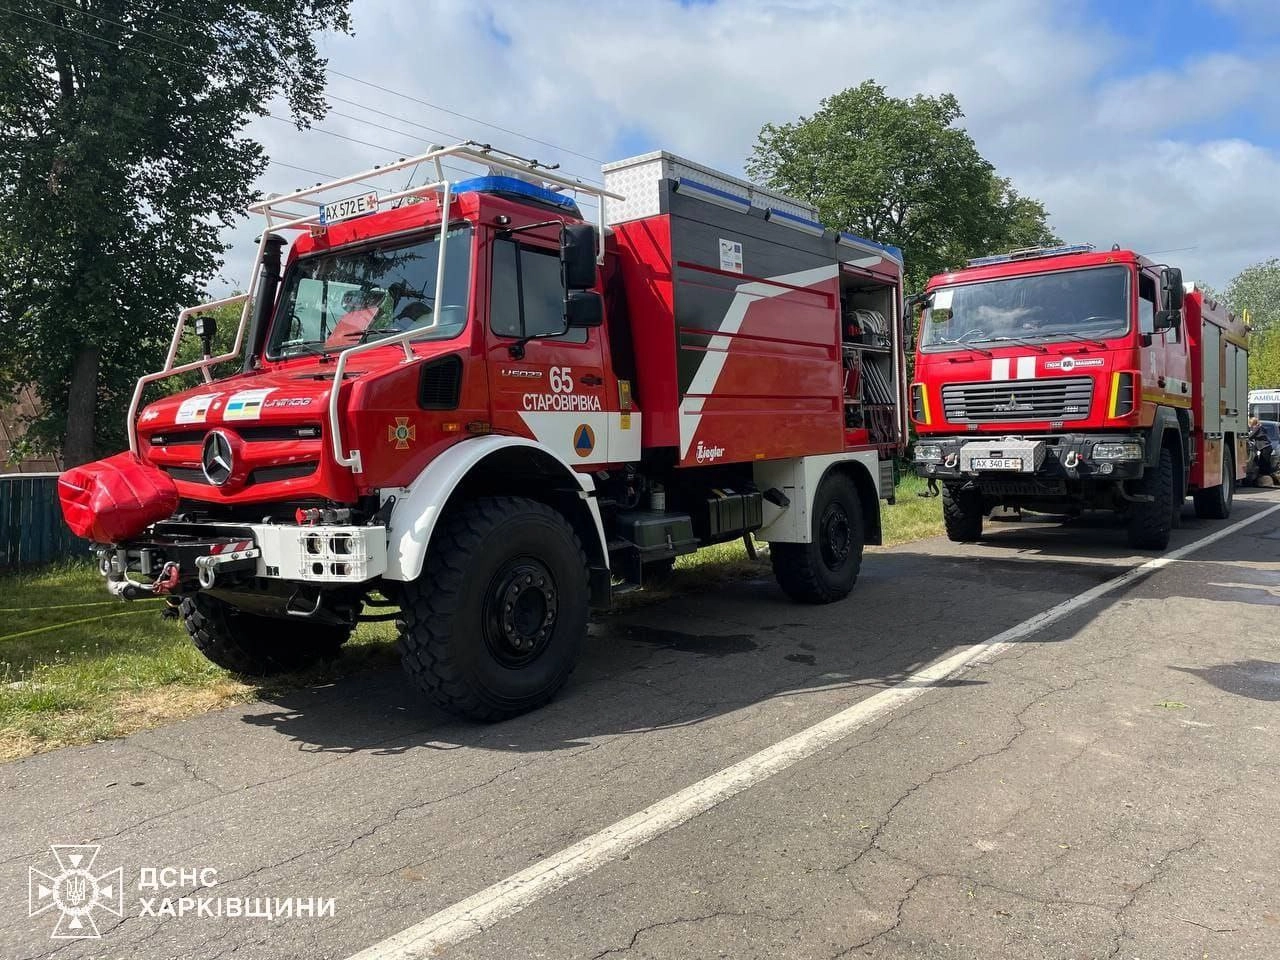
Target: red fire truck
[(494, 424), (1063, 379)]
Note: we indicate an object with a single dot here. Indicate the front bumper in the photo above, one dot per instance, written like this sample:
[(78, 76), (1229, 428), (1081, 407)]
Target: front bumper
[(1057, 459), (178, 557)]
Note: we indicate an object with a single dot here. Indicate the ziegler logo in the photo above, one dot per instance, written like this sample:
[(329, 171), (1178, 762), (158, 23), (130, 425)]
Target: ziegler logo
[(1013, 406), (1067, 364), (706, 454)]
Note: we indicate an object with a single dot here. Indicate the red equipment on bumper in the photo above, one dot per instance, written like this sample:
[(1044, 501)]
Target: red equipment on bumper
[(115, 499)]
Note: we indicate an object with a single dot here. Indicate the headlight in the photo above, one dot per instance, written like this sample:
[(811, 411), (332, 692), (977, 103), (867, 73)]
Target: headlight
[(928, 453), (1126, 450)]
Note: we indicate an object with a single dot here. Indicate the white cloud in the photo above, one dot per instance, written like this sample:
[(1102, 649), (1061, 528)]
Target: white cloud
[(600, 75)]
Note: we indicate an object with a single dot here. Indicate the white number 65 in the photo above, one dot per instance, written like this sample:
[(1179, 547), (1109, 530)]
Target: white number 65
[(562, 380)]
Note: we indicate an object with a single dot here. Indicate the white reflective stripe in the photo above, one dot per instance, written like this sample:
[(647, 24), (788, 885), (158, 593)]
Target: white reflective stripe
[(559, 430), (609, 444), (1026, 368), (1000, 369)]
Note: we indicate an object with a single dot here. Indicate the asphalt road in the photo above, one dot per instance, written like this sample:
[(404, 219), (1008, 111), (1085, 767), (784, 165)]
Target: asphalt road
[(1105, 786)]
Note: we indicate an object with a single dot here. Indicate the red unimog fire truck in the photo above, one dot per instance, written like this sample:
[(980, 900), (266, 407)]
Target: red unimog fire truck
[(493, 425), (1065, 379)]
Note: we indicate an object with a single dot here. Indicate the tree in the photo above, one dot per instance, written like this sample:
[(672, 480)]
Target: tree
[(1257, 289), (899, 171), (120, 161)]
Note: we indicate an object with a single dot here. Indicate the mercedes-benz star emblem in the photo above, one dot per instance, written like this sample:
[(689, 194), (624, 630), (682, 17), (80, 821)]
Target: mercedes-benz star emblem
[(215, 458)]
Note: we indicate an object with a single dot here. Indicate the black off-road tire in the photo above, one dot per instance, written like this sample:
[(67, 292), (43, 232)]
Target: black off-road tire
[(1151, 522), (493, 625), (825, 569), (962, 514), (1214, 503), (255, 646)]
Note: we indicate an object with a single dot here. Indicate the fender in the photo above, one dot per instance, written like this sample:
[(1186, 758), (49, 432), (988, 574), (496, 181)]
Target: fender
[(418, 506), (1165, 419), (799, 478)]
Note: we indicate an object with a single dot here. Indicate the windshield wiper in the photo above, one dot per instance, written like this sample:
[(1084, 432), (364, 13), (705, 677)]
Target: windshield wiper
[(1018, 340), (310, 349), (962, 342), (1092, 341)]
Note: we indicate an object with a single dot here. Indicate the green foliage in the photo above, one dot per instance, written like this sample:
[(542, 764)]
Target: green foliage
[(900, 172), (1264, 360), (1257, 289), (121, 160)]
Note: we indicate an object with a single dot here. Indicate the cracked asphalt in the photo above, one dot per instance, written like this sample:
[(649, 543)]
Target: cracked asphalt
[(1107, 788)]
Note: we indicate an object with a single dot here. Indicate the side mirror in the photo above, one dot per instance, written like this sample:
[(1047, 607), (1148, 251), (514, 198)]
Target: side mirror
[(578, 256), (1171, 288), (1166, 320), (583, 308)]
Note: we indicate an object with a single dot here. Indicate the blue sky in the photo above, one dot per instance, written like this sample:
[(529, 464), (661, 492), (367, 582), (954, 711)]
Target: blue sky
[(1152, 124), (1176, 33)]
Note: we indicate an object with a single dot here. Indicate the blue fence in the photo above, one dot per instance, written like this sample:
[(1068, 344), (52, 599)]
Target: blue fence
[(31, 527)]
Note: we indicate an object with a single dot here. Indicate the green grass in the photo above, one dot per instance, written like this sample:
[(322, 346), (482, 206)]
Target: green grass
[(77, 666)]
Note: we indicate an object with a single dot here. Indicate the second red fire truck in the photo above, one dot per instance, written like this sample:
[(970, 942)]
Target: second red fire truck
[(1067, 379)]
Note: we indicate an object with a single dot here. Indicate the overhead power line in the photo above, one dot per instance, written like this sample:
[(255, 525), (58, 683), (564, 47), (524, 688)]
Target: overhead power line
[(463, 116), (337, 73)]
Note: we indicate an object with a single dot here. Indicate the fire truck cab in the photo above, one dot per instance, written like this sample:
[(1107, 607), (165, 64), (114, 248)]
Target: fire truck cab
[(1063, 379)]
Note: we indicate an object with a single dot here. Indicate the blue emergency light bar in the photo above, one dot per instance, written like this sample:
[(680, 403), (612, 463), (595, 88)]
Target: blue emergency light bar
[(516, 189), (1032, 253)]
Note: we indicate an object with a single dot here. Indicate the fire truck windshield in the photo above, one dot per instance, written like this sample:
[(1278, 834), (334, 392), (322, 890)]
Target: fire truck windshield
[(1088, 304), (331, 301)]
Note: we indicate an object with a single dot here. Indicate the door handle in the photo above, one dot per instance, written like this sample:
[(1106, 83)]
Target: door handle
[(590, 380)]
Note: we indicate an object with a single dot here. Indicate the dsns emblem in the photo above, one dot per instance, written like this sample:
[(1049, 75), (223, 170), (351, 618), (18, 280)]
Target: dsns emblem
[(216, 459)]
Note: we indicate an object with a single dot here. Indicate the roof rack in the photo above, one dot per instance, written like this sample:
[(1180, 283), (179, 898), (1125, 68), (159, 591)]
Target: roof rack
[(300, 210), (1032, 253)]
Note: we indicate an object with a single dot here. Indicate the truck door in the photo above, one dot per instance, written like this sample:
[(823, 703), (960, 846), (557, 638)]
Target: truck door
[(555, 392), (1166, 373)]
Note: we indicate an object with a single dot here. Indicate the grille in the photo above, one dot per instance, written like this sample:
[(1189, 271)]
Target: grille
[(440, 384), (304, 431), (284, 471), (1058, 398)]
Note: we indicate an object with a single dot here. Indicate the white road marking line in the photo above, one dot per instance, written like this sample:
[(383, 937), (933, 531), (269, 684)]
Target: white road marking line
[(508, 897)]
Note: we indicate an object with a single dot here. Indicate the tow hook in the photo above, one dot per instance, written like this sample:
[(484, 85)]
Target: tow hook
[(951, 461), (121, 586), (1071, 460)]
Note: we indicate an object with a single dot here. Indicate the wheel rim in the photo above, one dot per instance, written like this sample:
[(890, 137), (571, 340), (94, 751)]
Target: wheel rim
[(837, 536), (520, 612)]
